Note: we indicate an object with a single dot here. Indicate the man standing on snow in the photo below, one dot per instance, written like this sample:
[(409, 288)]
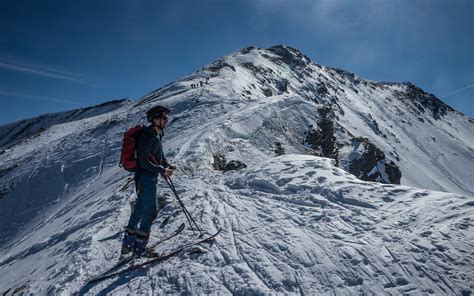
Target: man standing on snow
[(152, 163)]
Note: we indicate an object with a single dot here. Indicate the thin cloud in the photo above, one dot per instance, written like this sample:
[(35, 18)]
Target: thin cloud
[(41, 71), (33, 96), (459, 90)]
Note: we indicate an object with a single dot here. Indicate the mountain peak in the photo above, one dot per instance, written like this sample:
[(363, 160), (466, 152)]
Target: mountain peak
[(287, 51), (285, 156)]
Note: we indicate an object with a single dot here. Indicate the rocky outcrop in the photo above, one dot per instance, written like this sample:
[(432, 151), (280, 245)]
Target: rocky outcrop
[(423, 102), (290, 56), (322, 138), (361, 157), (279, 150), (234, 165), (218, 65), (367, 162), (221, 164)]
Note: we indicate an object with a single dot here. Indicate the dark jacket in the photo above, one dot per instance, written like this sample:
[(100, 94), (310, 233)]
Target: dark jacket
[(150, 142)]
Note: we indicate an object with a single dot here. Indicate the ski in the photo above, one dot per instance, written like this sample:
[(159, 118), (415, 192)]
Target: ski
[(154, 260), (130, 258), (177, 231), (120, 263)]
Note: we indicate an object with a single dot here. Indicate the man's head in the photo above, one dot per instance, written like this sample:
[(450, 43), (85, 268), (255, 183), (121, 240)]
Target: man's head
[(161, 121), (158, 116)]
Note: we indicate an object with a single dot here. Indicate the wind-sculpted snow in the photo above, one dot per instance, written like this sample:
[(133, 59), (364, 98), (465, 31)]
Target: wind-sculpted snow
[(292, 222)]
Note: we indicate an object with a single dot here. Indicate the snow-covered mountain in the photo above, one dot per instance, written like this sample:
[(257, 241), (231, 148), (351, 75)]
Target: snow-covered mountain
[(14, 132), (277, 151)]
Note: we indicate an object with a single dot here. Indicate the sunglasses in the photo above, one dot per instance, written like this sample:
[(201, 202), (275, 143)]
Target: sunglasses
[(165, 117)]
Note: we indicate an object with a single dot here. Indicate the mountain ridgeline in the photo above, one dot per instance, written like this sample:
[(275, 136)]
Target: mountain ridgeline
[(321, 181), (361, 124)]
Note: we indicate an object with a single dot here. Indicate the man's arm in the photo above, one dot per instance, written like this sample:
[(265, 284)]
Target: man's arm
[(144, 151), (165, 161)]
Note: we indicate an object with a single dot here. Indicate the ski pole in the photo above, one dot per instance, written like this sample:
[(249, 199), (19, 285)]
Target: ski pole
[(184, 208), (186, 213)]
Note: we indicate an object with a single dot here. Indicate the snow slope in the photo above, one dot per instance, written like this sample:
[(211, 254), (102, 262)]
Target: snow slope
[(294, 223), (14, 132)]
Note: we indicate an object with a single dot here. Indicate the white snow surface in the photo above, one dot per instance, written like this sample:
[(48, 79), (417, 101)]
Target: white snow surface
[(291, 224), (14, 132)]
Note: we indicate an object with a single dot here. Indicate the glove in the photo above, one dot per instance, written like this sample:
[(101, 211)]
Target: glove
[(168, 172)]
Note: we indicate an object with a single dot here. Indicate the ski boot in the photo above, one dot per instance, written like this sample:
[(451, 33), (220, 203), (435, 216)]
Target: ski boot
[(139, 248), (128, 241)]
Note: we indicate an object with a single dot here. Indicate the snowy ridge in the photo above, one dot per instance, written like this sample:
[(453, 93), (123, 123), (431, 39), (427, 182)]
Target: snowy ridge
[(14, 132), (291, 224)]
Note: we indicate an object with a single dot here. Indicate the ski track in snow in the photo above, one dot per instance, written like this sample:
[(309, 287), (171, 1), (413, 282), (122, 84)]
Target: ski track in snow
[(292, 224)]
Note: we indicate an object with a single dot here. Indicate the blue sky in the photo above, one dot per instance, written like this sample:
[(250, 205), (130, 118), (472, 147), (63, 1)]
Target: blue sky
[(61, 55)]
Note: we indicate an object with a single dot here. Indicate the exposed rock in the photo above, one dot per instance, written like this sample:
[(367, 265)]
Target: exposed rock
[(264, 71), (322, 91), (221, 164), (218, 65), (247, 49), (290, 56), (362, 158), (282, 85), (267, 92), (279, 150), (234, 165), (322, 138), (368, 163), (423, 101)]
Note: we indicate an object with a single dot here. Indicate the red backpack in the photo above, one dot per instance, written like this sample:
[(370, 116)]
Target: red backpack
[(128, 154)]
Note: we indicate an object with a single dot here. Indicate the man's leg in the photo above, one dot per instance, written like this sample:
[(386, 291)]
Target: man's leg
[(135, 218), (148, 186)]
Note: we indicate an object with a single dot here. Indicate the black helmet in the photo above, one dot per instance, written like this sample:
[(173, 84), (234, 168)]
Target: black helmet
[(156, 111)]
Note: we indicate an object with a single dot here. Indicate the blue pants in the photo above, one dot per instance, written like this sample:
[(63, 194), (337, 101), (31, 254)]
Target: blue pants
[(146, 209)]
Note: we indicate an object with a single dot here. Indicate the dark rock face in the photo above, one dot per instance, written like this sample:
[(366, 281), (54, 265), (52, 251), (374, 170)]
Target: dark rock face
[(290, 56), (322, 91), (393, 172), (247, 49), (218, 65), (322, 138), (279, 150), (221, 164), (267, 92), (270, 82), (424, 102), (234, 165), (267, 73), (282, 85), (372, 164)]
